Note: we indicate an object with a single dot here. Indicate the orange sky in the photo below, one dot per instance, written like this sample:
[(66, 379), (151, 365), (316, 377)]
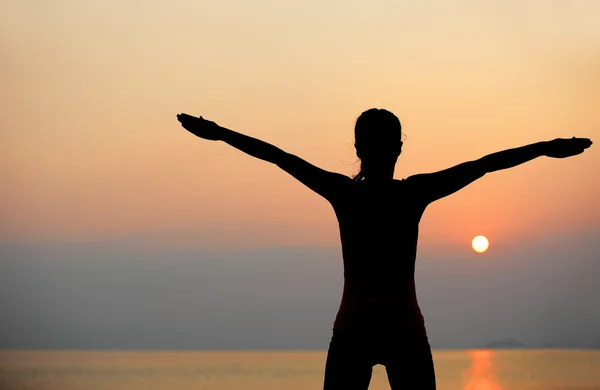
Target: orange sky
[(91, 149)]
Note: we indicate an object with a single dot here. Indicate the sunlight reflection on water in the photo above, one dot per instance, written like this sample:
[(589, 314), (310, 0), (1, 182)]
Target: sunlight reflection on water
[(481, 374)]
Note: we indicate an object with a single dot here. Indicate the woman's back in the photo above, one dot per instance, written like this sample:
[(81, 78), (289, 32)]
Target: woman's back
[(379, 231)]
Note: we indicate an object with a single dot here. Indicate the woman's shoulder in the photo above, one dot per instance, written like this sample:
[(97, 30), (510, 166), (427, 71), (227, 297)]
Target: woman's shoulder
[(400, 183), (406, 185)]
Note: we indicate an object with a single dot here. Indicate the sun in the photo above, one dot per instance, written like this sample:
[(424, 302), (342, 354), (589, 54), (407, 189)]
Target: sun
[(480, 244)]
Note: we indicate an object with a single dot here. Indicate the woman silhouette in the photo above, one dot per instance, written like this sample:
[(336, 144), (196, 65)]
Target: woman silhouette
[(379, 320)]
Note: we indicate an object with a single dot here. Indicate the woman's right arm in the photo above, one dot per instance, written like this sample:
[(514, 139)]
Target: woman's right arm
[(436, 185), (319, 180)]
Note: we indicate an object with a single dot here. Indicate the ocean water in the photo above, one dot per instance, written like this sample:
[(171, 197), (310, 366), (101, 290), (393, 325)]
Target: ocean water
[(456, 370)]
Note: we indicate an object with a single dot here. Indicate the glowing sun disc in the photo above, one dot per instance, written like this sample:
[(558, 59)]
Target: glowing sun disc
[(480, 244)]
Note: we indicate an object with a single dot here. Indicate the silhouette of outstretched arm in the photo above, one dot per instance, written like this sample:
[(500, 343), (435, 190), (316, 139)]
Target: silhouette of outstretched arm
[(319, 180), (433, 186)]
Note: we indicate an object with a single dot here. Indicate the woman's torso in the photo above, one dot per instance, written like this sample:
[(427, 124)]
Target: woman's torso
[(379, 232)]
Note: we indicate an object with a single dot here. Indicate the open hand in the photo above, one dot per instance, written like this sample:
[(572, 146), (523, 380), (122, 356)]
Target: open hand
[(200, 127), (567, 147)]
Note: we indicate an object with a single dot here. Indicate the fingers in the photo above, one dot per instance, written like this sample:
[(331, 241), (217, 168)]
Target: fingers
[(583, 142), (184, 117), (190, 120), (579, 142)]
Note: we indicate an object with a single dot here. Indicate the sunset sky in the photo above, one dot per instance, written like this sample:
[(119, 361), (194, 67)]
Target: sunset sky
[(92, 153)]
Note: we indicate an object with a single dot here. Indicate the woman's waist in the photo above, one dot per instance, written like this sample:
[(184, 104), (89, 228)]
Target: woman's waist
[(403, 300), (380, 317), (379, 303), (387, 286)]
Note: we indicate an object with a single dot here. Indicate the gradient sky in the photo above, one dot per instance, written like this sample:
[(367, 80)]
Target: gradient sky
[(92, 154)]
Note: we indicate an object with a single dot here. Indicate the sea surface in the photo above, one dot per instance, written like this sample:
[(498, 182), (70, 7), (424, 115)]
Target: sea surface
[(137, 370)]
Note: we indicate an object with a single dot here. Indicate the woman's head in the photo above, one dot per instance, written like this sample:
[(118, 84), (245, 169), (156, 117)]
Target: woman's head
[(378, 142)]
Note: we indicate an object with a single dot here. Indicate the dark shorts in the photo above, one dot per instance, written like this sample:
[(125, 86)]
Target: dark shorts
[(352, 355)]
